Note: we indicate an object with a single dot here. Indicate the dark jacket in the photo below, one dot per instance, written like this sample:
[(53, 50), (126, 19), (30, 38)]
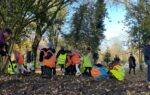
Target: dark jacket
[(49, 54), (132, 62), (42, 54), (29, 57), (2, 44), (146, 51), (62, 51), (2, 40)]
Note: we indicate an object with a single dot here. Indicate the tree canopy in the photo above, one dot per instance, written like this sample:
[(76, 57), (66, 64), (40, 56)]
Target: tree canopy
[(87, 26)]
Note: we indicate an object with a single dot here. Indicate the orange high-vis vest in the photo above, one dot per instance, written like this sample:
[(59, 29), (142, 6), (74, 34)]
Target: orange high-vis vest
[(51, 61), (95, 72), (76, 58), (20, 60), (115, 67)]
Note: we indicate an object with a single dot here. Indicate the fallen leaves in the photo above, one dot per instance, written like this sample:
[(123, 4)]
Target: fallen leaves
[(71, 85)]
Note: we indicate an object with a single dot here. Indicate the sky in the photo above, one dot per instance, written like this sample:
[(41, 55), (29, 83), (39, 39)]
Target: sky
[(114, 22), (115, 28)]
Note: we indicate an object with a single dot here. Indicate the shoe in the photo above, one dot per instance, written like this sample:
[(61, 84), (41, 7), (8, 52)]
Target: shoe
[(148, 86), (78, 73)]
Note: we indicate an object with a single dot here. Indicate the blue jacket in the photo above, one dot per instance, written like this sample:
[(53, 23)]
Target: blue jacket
[(102, 70)]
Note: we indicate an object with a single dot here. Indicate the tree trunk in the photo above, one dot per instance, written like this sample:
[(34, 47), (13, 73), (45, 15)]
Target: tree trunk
[(35, 45), (56, 42)]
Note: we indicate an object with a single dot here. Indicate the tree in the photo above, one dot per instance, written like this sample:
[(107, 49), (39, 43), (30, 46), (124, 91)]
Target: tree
[(138, 20), (87, 26), (46, 12), (55, 29), (25, 16), (14, 14)]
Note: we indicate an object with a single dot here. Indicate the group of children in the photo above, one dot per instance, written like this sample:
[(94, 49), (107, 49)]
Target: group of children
[(69, 62), (19, 65), (72, 63)]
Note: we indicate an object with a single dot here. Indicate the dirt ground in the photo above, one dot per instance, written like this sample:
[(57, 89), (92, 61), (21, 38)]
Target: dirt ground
[(70, 85)]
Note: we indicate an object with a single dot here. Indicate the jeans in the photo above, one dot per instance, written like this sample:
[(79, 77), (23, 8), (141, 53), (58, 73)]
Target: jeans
[(46, 72), (148, 70)]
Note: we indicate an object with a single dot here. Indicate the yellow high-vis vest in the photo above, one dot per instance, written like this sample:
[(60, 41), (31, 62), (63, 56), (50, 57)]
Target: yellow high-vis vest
[(118, 72)]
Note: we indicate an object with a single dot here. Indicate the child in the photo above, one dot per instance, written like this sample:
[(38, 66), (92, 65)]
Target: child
[(117, 71), (87, 62), (61, 59), (20, 61), (76, 61), (98, 71)]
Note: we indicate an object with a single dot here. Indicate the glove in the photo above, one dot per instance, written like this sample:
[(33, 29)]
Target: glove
[(7, 43)]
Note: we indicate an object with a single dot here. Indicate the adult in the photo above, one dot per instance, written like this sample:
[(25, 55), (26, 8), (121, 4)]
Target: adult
[(5, 35), (132, 63), (146, 51)]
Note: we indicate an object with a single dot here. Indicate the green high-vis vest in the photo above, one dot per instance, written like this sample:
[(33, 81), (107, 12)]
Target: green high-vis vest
[(87, 62), (118, 72), (11, 68), (62, 59)]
